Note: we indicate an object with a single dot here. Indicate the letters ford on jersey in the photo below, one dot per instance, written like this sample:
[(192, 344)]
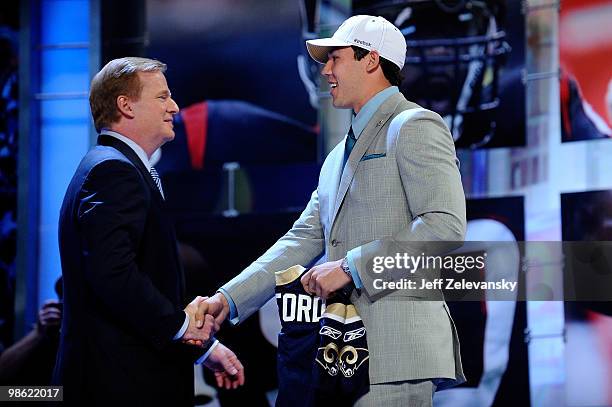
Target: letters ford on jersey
[(300, 307)]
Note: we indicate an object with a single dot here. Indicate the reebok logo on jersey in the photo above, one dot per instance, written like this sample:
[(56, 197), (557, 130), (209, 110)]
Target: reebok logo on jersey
[(331, 332), (354, 334)]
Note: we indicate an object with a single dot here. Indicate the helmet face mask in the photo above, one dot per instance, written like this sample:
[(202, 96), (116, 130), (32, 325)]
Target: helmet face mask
[(455, 51)]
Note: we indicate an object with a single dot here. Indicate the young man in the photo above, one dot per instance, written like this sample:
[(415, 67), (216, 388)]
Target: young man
[(124, 323), (394, 176)]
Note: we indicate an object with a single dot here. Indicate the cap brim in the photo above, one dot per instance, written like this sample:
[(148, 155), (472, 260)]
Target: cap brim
[(319, 48)]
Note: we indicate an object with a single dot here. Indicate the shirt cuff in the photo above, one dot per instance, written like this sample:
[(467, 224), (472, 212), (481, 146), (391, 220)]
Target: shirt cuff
[(205, 356), (351, 264), (183, 329), (232, 306)]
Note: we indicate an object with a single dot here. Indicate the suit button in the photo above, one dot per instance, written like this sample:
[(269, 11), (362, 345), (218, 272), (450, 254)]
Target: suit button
[(334, 243)]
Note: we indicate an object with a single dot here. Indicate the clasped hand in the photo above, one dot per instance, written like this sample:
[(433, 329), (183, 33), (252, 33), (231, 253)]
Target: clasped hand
[(325, 279)]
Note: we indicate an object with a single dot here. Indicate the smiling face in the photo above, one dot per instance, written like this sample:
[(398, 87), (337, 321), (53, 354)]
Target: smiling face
[(154, 109), (346, 77)]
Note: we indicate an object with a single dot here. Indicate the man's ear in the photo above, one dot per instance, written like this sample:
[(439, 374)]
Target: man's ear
[(124, 105), (373, 61)]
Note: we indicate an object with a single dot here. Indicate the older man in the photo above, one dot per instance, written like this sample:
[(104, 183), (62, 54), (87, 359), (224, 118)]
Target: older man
[(124, 323)]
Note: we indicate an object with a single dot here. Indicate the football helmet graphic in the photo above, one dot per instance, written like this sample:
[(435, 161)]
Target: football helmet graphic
[(455, 51)]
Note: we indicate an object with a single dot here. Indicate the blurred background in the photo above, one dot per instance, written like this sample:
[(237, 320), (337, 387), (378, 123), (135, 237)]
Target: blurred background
[(525, 88)]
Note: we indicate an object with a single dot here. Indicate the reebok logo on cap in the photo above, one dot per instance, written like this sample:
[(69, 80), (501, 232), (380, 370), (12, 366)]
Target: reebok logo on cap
[(367, 44)]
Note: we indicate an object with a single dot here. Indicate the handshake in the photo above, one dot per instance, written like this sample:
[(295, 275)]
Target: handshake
[(205, 318)]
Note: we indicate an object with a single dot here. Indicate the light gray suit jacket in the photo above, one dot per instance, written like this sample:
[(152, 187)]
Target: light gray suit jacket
[(411, 191)]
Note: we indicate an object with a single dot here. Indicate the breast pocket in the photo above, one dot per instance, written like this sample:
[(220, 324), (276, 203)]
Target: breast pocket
[(371, 161), (372, 180)]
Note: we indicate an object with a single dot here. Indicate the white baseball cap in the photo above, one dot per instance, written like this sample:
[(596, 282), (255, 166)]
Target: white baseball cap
[(368, 32)]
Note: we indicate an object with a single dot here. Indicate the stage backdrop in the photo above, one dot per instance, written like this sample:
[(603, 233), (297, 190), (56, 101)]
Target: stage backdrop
[(585, 57), (493, 349), (587, 216), (465, 61)]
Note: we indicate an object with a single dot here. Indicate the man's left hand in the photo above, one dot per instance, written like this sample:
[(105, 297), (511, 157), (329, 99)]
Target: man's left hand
[(228, 370), (325, 279)]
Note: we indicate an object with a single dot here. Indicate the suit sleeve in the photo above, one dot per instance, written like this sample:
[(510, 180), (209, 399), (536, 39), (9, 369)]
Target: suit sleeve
[(302, 244), (112, 209), (429, 172)]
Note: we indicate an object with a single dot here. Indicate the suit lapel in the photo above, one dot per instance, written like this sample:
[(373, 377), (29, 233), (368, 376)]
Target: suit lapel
[(110, 141), (373, 128)]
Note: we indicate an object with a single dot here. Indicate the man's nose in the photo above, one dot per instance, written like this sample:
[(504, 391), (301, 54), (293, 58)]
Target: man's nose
[(326, 68), (174, 109)]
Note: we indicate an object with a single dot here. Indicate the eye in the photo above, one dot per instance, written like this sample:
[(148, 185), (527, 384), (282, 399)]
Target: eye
[(163, 97)]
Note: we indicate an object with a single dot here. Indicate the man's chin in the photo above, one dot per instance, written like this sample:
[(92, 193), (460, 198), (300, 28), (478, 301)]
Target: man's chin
[(341, 106), (338, 104), (169, 137)]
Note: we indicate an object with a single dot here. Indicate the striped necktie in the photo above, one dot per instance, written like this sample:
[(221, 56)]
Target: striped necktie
[(348, 145), (157, 181)]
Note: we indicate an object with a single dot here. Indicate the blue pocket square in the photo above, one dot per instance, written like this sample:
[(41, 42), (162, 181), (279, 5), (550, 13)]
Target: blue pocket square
[(372, 156)]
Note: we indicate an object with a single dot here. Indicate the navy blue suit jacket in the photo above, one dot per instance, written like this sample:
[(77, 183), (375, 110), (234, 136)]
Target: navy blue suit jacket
[(123, 287)]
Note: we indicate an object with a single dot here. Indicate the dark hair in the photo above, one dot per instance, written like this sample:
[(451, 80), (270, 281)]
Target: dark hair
[(118, 77), (391, 71)]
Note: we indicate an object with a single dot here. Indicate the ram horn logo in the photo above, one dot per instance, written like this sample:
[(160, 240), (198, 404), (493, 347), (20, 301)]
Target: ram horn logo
[(327, 357), (351, 359)]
